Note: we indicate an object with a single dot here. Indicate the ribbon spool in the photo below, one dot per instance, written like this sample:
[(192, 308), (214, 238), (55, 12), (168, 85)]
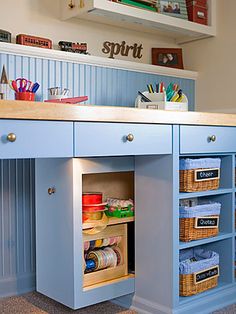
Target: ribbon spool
[(91, 198), (105, 258), (98, 225)]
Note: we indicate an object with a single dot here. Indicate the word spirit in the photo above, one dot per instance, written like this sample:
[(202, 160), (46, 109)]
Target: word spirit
[(113, 49)]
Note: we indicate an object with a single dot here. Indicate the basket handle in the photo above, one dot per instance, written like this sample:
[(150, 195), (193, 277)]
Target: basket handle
[(98, 225)]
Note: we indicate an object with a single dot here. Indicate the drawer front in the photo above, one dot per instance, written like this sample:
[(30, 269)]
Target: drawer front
[(35, 139), (207, 139), (110, 139)]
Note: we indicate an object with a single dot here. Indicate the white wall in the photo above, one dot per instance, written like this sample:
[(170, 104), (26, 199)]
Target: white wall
[(215, 60), (42, 18)]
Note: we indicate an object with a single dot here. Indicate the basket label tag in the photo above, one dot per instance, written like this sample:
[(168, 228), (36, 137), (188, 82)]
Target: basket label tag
[(206, 274), (207, 222), (206, 174)]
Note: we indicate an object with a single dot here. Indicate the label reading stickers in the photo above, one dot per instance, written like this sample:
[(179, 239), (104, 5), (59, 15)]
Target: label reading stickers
[(206, 174), (206, 274)]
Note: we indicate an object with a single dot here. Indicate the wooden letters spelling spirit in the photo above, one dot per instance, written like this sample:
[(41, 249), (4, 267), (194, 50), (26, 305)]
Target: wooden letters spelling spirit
[(113, 49)]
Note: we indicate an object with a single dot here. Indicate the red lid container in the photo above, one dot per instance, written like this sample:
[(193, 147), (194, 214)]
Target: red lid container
[(91, 198)]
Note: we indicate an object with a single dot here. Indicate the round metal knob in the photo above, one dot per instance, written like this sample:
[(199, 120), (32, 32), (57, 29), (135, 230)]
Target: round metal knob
[(130, 137), (212, 138), (51, 191), (11, 137)]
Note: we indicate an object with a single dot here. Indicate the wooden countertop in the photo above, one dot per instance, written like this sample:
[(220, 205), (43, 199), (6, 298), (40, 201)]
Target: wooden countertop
[(10, 109)]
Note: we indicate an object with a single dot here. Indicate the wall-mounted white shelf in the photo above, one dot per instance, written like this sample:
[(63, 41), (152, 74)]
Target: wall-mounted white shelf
[(15, 49), (112, 13)]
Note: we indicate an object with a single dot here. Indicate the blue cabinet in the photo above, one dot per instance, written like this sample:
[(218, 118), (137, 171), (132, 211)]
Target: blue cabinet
[(155, 150), (35, 139)]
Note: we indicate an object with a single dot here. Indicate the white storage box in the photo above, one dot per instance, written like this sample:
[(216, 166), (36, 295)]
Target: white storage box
[(158, 101)]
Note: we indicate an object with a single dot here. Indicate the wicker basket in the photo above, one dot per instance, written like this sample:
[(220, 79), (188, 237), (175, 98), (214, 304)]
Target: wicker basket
[(199, 271), (188, 181), (188, 232), (206, 214), (187, 286)]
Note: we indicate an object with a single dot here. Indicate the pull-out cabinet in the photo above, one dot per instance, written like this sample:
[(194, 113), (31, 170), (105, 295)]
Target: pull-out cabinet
[(59, 233)]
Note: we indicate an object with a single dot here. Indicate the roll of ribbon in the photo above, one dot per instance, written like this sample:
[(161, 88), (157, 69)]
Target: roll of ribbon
[(92, 244), (92, 215), (117, 250), (98, 243), (86, 245), (91, 198), (93, 207), (90, 265), (105, 258)]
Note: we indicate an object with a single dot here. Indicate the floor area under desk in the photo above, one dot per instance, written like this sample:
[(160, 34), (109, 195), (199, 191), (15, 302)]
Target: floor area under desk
[(36, 303)]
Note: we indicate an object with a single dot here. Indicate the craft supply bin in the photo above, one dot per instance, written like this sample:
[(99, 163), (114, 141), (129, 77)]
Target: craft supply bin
[(200, 174), (197, 11), (112, 272), (198, 222), (200, 275)]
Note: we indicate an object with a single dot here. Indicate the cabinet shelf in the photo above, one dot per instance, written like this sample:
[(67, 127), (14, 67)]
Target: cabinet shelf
[(110, 282), (112, 13), (204, 193), (112, 221), (221, 236)]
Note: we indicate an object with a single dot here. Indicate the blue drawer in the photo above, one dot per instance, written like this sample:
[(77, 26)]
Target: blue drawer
[(207, 139), (35, 139), (113, 139)]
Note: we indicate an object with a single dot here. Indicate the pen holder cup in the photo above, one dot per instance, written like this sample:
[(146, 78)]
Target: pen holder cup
[(25, 96), (158, 101)]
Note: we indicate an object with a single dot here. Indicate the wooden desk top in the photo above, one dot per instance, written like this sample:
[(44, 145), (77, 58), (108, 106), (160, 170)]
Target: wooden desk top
[(66, 112)]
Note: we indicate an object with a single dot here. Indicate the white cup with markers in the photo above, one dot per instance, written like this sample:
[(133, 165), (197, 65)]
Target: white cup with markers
[(58, 93)]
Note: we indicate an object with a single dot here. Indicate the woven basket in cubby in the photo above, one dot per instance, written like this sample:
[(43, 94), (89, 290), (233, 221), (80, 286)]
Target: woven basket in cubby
[(188, 181), (188, 228), (206, 261)]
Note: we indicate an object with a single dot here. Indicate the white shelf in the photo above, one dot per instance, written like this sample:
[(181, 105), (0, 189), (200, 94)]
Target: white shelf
[(15, 49), (112, 13)]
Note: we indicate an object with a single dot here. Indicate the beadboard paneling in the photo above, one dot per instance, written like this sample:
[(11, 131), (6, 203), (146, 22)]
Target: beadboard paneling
[(103, 85), (17, 221)]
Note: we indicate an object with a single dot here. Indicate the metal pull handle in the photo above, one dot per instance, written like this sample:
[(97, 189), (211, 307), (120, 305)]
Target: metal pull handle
[(11, 137), (130, 137), (212, 138), (51, 191)]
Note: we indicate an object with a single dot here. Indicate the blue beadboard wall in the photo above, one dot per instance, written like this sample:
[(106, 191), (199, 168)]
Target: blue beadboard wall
[(104, 86), (17, 220)]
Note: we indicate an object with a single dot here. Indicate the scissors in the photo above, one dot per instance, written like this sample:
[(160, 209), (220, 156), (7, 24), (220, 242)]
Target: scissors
[(22, 84)]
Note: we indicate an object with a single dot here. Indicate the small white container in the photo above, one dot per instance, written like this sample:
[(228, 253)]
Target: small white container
[(158, 101)]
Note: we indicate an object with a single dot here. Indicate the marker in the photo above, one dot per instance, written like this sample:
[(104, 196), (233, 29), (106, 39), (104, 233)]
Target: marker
[(150, 88), (175, 97), (144, 97)]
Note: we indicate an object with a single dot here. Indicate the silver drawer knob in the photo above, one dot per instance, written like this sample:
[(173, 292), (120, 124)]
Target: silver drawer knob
[(212, 138), (130, 137), (11, 137)]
